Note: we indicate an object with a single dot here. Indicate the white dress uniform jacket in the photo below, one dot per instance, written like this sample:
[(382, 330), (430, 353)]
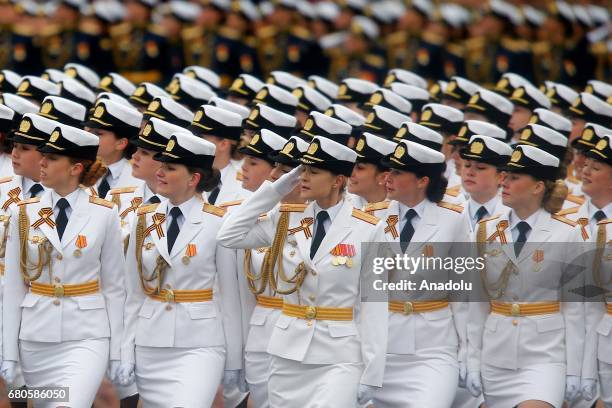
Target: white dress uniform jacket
[(151, 323), (320, 341), (90, 250), (529, 355)]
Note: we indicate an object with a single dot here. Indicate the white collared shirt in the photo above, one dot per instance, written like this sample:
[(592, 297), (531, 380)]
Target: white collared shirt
[(592, 210), (115, 170), (148, 193), (331, 212), (473, 207), (515, 220), (26, 184), (185, 209), (72, 199), (403, 210)]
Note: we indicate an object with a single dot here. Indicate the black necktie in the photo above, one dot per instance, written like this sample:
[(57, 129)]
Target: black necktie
[(62, 217), (104, 186), (523, 228), (35, 189), (322, 216), (174, 229), (481, 213), (408, 230), (154, 200), (212, 197), (599, 215)]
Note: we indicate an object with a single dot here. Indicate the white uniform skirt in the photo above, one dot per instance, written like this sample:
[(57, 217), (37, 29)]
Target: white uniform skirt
[(79, 365), (504, 388), (257, 371), (295, 384), (178, 377), (463, 399), (418, 381)]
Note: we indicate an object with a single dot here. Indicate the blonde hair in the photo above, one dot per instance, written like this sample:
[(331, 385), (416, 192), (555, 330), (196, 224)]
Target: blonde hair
[(92, 171), (554, 195)]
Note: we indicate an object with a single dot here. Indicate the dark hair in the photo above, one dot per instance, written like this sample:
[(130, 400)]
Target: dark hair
[(5, 145), (209, 178), (437, 184), (92, 171)]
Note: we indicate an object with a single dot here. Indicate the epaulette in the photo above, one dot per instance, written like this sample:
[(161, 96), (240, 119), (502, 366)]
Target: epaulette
[(89, 28), (101, 201), (396, 38), (229, 33), (575, 199), (191, 33), (567, 211), (456, 49), (266, 32), (382, 205), (606, 221), (249, 41), (375, 60), (24, 30), (6, 179), (572, 179), (120, 29), (449, 206), (432, 38), (599, 48), (230, 203), (29, 201), (122, 190), (453, 191), (147, 208), (157, 30), (214, 210), (540, 47), (475, 43), (239, 176), (301, 32), (515, 45), (50, 30), (487, 219), (293, 207), (364, 216), (564, 220)]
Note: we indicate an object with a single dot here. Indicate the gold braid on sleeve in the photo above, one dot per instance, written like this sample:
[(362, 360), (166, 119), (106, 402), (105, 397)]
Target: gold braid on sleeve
[(500, 285), (44, 250), (276, 257), (160, 265)]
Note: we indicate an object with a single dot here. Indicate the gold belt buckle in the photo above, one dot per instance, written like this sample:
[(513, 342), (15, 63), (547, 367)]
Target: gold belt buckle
[(310, 312), (408, 308), (169, 296), (515, 310), (58, 290)]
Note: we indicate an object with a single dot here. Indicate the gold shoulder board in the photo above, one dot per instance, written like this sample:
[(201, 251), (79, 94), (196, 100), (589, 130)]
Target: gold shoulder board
[(122, 190), (101, 201), (606, 221), (564, 220), (293, 207), (364, 216), (230, 203), (567, 211), (29, 201), (449, 206), (575, 199), (382, 205), (489, 219), (147, 208), (453, 191), (214, 210), (6, 179)]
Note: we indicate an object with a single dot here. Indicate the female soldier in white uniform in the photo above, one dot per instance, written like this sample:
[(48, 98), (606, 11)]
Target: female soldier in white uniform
[(425, 330), (597, 185), (525, 341), (368, 178), (179, 338), (321, 351), (64, 292)]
